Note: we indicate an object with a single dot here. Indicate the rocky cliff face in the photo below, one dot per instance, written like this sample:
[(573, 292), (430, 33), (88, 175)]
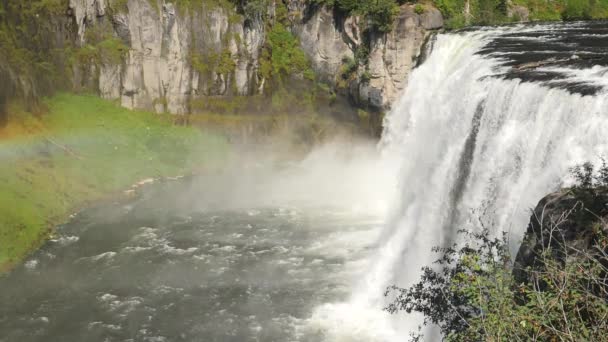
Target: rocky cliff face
[(177, 55), (329, 40), (173, 55)]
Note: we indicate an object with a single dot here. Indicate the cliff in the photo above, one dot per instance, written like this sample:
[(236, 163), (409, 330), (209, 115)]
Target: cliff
[(171, 56), (332, 42)]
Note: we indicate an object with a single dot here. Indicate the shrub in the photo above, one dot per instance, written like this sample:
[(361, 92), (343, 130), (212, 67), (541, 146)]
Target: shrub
[(576, 10), (472, 295), (480, 12), (255, 9), (282, 56), (586, 177), (379, 13), (366, 76)]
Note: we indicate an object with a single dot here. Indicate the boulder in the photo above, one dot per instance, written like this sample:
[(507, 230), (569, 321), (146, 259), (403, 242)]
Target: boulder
[(431, 19), (563, 224)]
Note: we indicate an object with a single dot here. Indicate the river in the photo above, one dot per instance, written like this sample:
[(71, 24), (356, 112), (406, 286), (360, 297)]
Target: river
[(239, 256)]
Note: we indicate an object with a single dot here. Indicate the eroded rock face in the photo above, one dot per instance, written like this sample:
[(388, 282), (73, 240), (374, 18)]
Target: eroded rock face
[(325, 43), (85, 12), (176, 56), (393, 56), (158, 73), (329, 40)]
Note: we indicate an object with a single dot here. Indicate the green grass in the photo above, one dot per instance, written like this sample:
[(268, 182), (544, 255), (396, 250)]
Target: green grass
[(490, 12), (83, 149)]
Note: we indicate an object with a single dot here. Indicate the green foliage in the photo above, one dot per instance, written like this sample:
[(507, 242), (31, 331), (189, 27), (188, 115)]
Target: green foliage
[(255, 9), (213, 64), (379, 13), (480, 12), (29, 64), (200, 62), (366, 76), (226, 64), (348, 72), (419, 9), (362, 53), (287, 56), (565, 9), (575, 10), (472, 296), (222, 63), (110, 51), (589, 177), (120, 5), (349, 66), (83, 149), (283, 57), (490, 12), (197, 5), (452, 11)]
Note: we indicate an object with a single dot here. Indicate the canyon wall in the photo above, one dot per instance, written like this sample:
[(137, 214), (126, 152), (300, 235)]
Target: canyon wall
[(173, 56), (177, 55)]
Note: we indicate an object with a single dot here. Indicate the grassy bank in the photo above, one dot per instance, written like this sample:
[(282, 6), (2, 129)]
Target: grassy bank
[(79, 150)]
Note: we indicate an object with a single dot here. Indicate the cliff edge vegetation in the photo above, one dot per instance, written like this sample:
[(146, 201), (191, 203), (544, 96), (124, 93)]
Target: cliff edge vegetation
[(460, 13)]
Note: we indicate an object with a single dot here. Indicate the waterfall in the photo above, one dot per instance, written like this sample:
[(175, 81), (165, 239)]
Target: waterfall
[(473, 144)]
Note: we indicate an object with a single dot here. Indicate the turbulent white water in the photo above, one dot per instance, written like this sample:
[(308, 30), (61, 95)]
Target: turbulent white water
[(470, 147)]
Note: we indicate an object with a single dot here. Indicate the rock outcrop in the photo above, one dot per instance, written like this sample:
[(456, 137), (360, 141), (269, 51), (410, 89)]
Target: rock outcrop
[(394, 54), (562, 225), (173, 55), (326, 42), (329, 40), (176, 55)]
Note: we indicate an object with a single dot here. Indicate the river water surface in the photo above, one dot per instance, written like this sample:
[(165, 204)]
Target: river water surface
[(238, 257)]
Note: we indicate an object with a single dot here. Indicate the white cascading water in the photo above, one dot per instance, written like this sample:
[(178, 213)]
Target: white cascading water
[(469, 147)]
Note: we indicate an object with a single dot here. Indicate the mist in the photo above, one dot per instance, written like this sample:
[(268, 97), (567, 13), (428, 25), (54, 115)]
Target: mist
[(347, 173)]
